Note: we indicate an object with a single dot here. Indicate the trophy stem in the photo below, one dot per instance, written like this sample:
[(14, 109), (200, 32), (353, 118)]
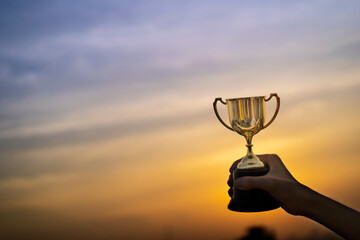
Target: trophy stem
[(250, 161), (249, 145), (248, 140), (250, 154)]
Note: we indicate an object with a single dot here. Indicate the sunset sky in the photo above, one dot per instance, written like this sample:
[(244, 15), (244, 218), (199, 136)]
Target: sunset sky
[(106, 123)]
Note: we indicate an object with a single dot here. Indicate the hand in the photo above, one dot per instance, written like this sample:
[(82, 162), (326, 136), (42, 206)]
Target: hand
[(278, 182), (298, 199)]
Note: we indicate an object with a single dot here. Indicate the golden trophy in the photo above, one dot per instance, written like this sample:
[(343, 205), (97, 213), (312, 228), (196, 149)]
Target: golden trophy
[(247, 118)]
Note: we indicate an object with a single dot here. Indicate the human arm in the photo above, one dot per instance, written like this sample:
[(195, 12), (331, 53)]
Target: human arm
[(297, 199)]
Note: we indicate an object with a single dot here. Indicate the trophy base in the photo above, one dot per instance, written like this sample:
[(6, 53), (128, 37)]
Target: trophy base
[(254, 200)]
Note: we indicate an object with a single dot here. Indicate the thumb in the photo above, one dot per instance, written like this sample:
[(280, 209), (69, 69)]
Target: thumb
[(249, 182)]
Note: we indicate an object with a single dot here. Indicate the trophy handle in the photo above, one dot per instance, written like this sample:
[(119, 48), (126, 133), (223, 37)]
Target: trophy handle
[(217, 114), (277, 108)]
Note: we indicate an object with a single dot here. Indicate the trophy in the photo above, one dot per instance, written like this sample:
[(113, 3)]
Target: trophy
[(247, 118)]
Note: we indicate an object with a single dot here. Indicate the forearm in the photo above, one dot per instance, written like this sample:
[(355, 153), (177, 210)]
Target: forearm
[(298, 199), (331, 214)]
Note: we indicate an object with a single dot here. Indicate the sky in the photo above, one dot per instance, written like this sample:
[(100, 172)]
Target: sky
[(106, 123)]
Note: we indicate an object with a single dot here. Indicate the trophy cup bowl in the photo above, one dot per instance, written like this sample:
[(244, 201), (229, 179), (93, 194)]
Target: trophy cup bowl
[(247, 118)]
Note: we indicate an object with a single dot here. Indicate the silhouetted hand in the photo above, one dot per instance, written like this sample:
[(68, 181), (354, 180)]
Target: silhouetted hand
[(297, 199), (278, 182)]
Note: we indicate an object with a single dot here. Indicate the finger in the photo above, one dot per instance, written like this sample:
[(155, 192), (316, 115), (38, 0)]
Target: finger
[(233, 166), (271, 160), (230, 192), (275, 164), (230, 181), (267, 158), (249, 182)]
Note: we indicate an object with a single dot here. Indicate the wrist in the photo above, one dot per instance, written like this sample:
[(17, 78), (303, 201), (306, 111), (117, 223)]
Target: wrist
[(307, 202), (298, 200)]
